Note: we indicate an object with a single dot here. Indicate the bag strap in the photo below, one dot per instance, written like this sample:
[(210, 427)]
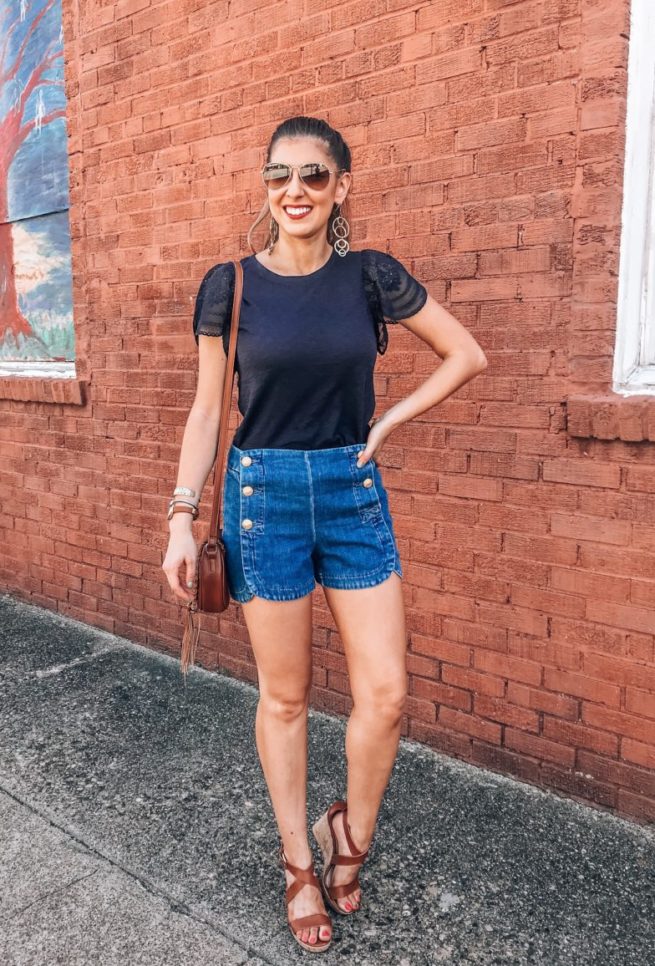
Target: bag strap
[(228, 386)]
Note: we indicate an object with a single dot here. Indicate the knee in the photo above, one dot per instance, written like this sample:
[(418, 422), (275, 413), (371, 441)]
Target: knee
[(285, 707), (387, 702)]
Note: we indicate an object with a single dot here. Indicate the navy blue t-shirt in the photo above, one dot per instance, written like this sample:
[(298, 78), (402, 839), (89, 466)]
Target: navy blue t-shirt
[(307, 344)]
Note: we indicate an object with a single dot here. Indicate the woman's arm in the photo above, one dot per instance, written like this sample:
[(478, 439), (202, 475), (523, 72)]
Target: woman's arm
[(197, 455), (200, 440), (463, 358)]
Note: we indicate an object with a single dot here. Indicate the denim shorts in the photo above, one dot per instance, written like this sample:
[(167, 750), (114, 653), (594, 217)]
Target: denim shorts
[(292, 517)]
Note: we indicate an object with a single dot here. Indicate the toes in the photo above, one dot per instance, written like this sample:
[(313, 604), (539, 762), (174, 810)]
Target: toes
[(324, 932), (351, 902)]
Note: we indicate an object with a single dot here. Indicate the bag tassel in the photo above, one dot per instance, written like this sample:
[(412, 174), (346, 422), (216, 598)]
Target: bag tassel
[(190, 638)]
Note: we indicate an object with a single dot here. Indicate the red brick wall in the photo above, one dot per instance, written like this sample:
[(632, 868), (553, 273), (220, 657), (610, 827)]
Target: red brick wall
[(488, 140)]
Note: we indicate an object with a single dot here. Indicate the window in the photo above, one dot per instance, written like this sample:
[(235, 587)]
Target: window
[(634, 356), (36, 306)]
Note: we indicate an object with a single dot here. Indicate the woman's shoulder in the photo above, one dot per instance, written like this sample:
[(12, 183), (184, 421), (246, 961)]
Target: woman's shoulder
[(382, 267), (219, 275), (214, 300), (395, 292)]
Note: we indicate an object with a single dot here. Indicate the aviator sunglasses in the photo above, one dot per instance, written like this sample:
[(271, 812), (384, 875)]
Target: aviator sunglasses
[(315, 176)]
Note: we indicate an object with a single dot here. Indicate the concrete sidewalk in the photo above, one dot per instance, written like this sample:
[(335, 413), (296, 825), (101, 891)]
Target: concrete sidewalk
[(135, 828)]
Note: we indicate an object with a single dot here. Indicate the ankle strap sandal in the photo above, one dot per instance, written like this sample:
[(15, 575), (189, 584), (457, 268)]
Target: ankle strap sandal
[(327, 841), (304, 877)]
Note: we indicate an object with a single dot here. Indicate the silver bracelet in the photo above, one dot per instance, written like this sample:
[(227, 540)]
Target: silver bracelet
[(183, 491)]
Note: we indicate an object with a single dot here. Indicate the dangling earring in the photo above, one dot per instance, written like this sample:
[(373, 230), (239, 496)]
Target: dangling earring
[(274, 231), (340, 230)]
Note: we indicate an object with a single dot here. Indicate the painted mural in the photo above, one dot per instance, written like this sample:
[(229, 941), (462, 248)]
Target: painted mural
[(36, 308)]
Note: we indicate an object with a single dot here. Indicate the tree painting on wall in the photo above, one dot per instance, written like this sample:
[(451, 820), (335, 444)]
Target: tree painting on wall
[(36, 306)]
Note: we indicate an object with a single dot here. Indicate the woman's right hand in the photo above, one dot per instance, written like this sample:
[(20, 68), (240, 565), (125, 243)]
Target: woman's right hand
[(182, 552)]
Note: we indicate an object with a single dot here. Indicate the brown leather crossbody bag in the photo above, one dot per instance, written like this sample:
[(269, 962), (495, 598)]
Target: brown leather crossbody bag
[(211, 590)]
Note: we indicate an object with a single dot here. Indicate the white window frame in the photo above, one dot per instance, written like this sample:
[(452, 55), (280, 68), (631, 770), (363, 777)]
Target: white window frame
[(634, 351)]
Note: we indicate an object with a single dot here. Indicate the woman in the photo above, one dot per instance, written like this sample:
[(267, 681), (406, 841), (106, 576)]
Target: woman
[(303, 498)]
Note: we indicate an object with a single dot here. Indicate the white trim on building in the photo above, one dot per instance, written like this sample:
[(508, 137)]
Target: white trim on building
[(634, 353)]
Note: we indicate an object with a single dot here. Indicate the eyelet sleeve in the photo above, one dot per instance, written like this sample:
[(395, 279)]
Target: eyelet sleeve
[(213, 308), (393, 293)]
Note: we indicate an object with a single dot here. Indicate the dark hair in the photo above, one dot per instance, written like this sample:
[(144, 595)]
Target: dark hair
[(308, 127)]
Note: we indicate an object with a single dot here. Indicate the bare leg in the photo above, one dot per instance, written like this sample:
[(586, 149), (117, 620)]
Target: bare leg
[(371, 624), (280, 634)]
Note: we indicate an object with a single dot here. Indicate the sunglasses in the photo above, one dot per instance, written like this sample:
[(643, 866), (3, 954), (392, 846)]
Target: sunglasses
[(314, 176)]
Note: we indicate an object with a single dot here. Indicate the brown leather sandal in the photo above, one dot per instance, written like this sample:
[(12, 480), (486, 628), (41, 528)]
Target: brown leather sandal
[(327, 840), (305, 877)]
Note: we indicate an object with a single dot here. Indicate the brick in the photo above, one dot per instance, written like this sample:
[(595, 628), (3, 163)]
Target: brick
[(448, 651), (558, 705), (539, 747), (478, 635), (535, 101), (622, 672), (518, 618), (486, 588), (440, 693), (472, 680), (582, 685), (469, 724), (577, 735), (580, 786), (618, 773), (548, 601), (507, 568), (504, 761), (480, 238), (638, 753), (639, 701), (511, 157), (643, 591), (623, 562), (515, 262), (597, 529), (448, 65), (481, 439), (470, 487), (577, 581), (619, 722), (473, 136), (446, 13), (625, 616), (420, 710), (442, 739), (641, 478), (524, 47), (635, 806), (506, 666), (496, 709), (476, 290), (554, 122), (504, 465), (504, 517)]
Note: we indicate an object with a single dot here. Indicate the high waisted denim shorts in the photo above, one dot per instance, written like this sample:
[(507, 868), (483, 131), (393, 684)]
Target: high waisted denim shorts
[(292, 517)]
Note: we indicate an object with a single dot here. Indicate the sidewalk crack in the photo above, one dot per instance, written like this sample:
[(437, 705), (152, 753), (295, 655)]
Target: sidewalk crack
[(46, 895)]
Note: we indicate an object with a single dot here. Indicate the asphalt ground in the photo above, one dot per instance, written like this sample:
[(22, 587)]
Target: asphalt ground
[(136, 828)]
